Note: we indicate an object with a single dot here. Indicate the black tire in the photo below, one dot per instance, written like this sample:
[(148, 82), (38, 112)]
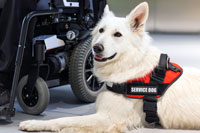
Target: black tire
[(81, 61), (40, 96)]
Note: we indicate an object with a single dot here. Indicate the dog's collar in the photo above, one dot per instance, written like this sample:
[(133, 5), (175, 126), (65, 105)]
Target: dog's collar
[(151, 86)]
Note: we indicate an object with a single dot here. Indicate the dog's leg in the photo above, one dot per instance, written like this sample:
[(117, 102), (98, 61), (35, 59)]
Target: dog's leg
[(89, 123), (115, 113)]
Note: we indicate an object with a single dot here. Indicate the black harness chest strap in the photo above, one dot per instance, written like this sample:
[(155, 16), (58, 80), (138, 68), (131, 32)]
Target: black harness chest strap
[(149, 99), (149, 102), (157, 77), (150, 108)]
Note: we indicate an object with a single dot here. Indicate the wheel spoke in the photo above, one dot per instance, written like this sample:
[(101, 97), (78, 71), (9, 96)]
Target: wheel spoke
[(93, 84), (90, 64), (88, 70), (90, 61), (90, 78)]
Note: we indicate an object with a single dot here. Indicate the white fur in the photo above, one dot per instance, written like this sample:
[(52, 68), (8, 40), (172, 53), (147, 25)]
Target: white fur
[(179, 107)]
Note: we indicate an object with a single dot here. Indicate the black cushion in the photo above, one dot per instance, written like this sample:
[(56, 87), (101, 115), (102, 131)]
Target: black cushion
[(2, 2), (43, 4)]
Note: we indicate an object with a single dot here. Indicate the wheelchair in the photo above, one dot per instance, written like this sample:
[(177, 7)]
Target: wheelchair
[(61, 54)]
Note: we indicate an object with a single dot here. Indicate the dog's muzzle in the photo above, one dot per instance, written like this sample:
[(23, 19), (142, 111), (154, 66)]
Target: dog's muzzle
[(101, 59)]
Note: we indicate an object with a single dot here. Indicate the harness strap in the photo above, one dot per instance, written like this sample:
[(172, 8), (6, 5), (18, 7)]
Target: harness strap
[(158, 74), (152, 90), (149, 102), (157, 77), (150, 108)]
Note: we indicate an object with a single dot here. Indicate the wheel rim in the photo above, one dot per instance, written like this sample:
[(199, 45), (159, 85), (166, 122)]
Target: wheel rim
[(91, 81), (30, 99)]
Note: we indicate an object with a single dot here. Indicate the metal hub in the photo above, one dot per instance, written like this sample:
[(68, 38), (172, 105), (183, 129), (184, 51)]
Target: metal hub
[(30, 99)]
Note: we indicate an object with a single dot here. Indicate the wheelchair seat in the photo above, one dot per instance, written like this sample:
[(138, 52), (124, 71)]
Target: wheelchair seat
[(2, 2), (44, 4), (41, 5)]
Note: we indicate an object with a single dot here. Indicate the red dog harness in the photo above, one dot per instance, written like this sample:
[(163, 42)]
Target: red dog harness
[(150, 87)]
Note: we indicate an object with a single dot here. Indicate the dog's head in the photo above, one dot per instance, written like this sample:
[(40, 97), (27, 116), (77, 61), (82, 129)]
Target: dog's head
[(120, 39)]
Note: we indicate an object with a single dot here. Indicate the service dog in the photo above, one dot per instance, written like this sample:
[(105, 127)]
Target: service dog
[(122, 51)]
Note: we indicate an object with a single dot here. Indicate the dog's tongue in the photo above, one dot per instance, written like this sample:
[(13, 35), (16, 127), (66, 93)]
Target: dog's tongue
[(98, 57)]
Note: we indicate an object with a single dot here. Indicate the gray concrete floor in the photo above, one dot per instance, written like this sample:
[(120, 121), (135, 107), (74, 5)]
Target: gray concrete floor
[(183, 49)]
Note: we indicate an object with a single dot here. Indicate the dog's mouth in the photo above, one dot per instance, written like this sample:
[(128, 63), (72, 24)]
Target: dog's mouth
[(101, 59)]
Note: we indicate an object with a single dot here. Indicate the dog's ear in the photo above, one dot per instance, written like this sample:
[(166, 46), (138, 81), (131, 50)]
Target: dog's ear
[(138, 17), (107, 11)]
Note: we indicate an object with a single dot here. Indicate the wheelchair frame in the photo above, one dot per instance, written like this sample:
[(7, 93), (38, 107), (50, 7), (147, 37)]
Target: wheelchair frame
[(9, 111)]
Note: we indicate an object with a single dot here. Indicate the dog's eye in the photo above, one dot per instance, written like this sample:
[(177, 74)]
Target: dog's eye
[(117, 34), (101, 30)]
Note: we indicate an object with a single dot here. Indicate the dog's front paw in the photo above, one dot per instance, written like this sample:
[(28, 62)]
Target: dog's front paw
[(32, 125), (37, 125)]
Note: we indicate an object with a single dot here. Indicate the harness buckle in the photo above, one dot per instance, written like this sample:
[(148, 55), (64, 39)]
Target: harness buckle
[(174, 68), (156, 78)]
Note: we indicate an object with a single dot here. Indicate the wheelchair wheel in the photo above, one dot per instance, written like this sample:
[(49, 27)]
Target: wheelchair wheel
[(83, 82), (35, 103)]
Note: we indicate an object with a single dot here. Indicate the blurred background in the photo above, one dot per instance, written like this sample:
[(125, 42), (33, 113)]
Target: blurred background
[(174, 26), (174, 16)]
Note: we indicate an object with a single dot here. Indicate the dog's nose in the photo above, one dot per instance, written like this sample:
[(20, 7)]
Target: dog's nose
[(98, 48)]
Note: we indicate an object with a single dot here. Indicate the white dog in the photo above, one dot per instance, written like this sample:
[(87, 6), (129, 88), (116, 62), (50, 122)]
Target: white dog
[(126, 54)]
